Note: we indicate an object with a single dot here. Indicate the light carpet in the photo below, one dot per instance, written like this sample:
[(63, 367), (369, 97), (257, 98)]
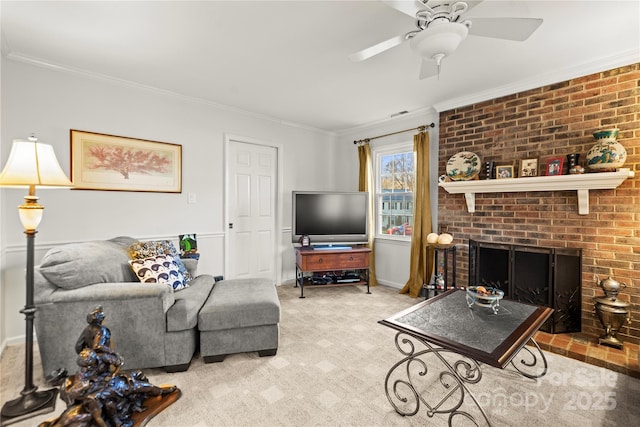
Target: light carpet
[(330, 370)]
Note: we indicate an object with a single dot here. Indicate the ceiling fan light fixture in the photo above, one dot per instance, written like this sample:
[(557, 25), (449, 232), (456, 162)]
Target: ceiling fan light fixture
[(439, 38)]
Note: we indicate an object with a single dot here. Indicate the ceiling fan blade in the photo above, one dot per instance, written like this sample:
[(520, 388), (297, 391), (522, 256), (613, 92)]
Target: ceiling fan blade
[(428, 69), (377, 48), (517, 29), (408, 7)]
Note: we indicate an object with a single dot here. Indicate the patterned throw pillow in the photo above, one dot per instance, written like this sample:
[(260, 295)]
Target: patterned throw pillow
[(141, 250), (159, 269)]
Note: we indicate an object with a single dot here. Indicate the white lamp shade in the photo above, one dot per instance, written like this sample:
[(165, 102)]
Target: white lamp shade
[(439, 38), (33, 163)]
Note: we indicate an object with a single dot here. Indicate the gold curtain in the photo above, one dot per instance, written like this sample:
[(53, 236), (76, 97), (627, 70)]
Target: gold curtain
[(421, 220), (365, 183)]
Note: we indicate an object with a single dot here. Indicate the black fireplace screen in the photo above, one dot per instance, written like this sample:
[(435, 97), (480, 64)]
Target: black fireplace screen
[(542, 276)]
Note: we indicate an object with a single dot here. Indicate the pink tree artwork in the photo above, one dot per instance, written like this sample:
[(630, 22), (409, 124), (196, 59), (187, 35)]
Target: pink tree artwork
[(127, 161)]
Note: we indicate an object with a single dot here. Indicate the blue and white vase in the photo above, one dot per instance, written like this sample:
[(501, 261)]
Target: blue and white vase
[(608, 154)]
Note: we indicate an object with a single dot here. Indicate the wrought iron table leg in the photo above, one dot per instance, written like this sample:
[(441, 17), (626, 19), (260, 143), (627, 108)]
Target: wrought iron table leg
[(454, 379), (528, 359)]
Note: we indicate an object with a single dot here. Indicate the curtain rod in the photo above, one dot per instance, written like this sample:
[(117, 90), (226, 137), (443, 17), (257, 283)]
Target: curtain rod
[(419, 128)]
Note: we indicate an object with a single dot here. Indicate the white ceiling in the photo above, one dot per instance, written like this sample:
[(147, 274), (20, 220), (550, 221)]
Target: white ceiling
[(288, 60)]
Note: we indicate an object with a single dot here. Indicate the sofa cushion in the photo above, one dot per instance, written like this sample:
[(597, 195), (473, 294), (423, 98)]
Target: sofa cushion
[(75, 265), (183, 314), (159, 269), (141, 250)]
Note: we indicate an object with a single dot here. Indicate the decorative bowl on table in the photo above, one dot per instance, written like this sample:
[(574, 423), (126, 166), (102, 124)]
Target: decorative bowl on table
[(463, 166), (484, 296)]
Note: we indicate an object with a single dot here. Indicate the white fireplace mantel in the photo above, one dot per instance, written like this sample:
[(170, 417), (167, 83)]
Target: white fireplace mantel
[(580, 183)]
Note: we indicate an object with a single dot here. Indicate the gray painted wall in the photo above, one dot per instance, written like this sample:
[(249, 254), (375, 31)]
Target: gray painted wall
[(51, 102)]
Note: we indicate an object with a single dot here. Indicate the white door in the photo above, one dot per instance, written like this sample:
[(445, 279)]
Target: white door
[(251, 194)]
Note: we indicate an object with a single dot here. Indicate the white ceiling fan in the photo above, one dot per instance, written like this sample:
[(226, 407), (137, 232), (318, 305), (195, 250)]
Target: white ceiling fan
[(441, 27)]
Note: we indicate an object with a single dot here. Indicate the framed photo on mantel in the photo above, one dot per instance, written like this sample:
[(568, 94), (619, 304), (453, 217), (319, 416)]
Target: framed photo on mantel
[(554, 166), (504, 171), (528, 167)]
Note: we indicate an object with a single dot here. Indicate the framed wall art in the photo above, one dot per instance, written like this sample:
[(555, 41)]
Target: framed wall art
[(554, 166), (504, 171), (528, 167), (118, 163)]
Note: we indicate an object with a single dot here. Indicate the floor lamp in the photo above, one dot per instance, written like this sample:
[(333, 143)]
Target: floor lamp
[(31, 164)]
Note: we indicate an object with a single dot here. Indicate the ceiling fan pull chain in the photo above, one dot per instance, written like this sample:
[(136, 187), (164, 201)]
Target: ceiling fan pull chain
[(438, 57)]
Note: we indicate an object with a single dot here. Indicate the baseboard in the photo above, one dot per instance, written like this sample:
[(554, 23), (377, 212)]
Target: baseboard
[(389, 284), (20, 339), (380, 282)]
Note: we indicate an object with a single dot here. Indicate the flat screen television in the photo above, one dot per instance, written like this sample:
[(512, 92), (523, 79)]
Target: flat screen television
[(330, 218)]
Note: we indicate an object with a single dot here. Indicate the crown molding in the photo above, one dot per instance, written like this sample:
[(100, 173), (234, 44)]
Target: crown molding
[(26, 59), (579, 70), (422, 113)]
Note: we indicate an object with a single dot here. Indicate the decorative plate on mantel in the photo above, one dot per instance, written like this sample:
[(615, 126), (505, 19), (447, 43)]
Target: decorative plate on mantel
[(463, 166)]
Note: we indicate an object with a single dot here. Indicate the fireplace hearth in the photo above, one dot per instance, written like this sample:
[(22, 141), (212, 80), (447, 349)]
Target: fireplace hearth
[(549, 277)]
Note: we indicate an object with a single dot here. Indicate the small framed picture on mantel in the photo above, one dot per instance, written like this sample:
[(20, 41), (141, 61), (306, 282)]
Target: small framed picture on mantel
[(528, 167), (504, 171), (554, 166)]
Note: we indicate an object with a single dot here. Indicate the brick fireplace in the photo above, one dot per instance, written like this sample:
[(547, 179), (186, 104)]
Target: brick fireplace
[(553, 121)]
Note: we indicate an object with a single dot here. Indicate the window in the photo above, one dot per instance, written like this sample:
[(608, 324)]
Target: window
[(395, 183)]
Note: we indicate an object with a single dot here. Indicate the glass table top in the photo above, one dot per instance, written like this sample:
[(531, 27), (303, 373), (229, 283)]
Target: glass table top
[(477, 332)]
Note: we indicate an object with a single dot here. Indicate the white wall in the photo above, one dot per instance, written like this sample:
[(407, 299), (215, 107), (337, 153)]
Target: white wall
[(3, 155), (51, 102), (392, 256)]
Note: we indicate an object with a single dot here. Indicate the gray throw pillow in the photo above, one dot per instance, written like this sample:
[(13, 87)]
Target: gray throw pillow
[(76, 265)]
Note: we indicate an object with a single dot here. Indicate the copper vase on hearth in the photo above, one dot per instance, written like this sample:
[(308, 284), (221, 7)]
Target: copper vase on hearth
[(612, 313)]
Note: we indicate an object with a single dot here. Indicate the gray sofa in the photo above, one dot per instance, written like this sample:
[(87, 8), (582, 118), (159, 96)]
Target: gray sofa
[(151, 324)]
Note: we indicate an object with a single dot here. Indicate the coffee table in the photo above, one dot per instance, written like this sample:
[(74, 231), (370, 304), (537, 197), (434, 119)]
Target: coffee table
[(445, 331)]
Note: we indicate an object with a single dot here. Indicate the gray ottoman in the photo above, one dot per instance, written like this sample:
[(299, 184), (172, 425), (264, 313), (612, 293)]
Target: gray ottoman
[(240, 315)]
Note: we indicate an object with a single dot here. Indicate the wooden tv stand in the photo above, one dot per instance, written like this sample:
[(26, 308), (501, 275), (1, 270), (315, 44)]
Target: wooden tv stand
[(331, 262)]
